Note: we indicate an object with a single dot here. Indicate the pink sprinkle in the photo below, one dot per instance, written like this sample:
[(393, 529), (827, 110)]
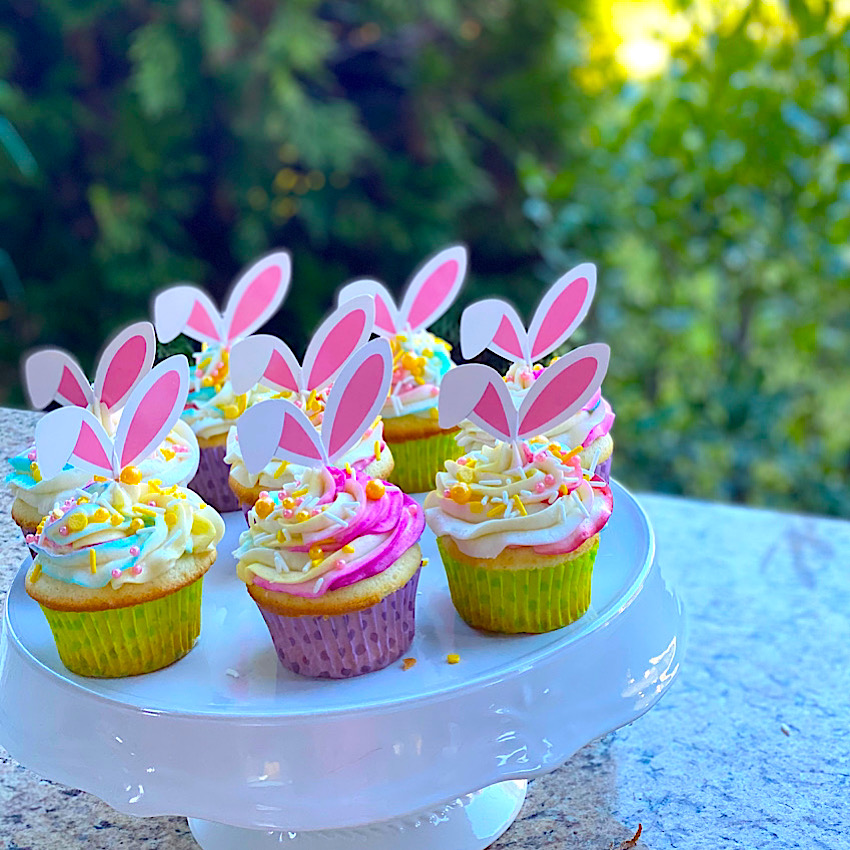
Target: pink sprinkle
[(340, 562), (181, 449), (539, 487), (135, 570), (435, 391), (31, 454), (288, 513), (134, 551), (447, 493), (527, 453), (549, 480), (63, 530), (413, 509), (264, 494), (461, 461), (31, 538), (152, 503), (525, 375), (540, 457), (116, 573)]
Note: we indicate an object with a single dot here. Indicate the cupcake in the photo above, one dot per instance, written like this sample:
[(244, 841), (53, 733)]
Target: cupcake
[(213, 406), (494, 324), (420, 362), (332, 560), (53, 375), (518, 523), (119, 565), (266, 360)]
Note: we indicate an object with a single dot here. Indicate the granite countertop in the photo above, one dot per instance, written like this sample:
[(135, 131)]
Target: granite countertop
[(750, 749)]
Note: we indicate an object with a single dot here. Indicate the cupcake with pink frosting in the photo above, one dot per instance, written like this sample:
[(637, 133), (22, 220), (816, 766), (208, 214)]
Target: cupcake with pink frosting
[(332, 559)]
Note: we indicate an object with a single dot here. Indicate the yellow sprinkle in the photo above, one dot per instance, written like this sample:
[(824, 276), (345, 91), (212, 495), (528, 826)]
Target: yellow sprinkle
[(130, 475), (263, 507), (36, 472), (288, 503), (301, 492), (316, 562), (471, 463), (349, 470), (92, 560), (144, 510), (280, 536), (281, 469), (171, 515), (99, 478), (476, 507), (453, 658), (36, 572), (153, 485), (427, 352), (424, 562), (434, 413), (348, 548), (311, 399), (314, 552), (230, 411), (202, 505), (497, 510), (136, 525), (519, 505), (302, 516), (100, 515), (82, 500), (407, 663), (77, 521), (375, 489), (167, 453), (377, 449), (459, 493), (567, 455), (116, 519), (563, 490), (206, 381)]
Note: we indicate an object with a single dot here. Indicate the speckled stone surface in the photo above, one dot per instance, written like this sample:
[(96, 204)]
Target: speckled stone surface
[(750, 749)]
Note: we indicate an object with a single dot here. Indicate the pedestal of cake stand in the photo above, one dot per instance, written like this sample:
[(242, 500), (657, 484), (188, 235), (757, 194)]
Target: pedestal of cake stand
[(255, 755)]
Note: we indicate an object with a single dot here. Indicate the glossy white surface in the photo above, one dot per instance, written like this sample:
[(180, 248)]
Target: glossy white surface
[(269, 749)]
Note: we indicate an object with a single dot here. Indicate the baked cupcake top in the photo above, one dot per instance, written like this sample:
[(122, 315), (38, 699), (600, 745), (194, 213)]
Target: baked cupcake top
[(115, 533), (530, 494), (595, 419), (330, 529), (420, 360), (174, 461)]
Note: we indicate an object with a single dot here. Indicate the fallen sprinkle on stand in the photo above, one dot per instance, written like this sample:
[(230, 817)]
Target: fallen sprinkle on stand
[(785, 730), (452, 658), (232, 673), (407, 663)]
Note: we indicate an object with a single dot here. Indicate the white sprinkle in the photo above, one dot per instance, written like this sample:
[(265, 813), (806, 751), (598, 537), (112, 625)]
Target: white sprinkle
[(485, 500), (280, 564), (492, 482), (396, 402), (305, 567), (572, 480), (525, 493), (337, 519), (309, 501), (232, 673), (318, 585), (575, 496), (599, 483), (287, 534), (595, 460), (516, 471)]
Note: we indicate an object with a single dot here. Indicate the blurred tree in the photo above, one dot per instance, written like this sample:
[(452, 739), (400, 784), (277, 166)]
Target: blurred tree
[(717, 198)]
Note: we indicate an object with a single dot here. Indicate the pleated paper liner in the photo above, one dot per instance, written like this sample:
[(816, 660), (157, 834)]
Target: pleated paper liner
[(418, 461), (128, 641), (512, 601), (210, 481), (346, 645)]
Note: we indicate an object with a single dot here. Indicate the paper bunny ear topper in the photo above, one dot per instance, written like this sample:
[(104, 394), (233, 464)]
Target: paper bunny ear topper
[(52, 374), (494, 324), (277, 428), (254, 298), (268, 360), (429, 294), (75, 435), (477, 392)]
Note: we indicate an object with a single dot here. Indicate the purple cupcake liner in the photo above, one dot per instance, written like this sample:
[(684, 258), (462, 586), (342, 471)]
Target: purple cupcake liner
[(210, 481), (603, 470), (346, 645)]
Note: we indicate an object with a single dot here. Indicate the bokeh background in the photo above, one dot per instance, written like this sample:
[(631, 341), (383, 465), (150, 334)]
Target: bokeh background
[(698, 152)]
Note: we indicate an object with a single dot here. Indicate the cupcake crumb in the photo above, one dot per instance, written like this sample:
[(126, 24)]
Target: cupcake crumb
[(785, 730), (231, 672), (453, 658), (407, 663)]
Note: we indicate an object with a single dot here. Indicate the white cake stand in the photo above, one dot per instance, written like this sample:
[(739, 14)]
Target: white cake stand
[(257, 756)]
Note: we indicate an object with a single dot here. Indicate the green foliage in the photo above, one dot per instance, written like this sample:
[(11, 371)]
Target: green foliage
[(716, 199)]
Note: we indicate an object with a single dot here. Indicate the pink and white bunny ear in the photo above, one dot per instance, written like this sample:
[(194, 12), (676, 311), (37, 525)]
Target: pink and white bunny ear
[(493, 324), (124, 362), (387, 319), (434, 287), (75, 435), (256, 296), (277, 428), (263, 359), (562, 310), (356, 397), (151, 411), (53, 375), (337, 338), (477, 392), (189, 310), (563, 389)]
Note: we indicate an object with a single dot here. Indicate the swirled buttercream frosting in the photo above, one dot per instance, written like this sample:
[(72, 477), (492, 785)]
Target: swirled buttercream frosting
[(420, 360), (594, 420), (113, 533), (532, 494), (174, 461), (328, 530)]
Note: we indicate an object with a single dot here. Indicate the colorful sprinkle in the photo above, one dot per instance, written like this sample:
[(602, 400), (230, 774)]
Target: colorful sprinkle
[(134, 551), (130, 475), (453, 658), (93, 560), (77, 521), (136, 570), (375, 489), (407, 663), (116, 573)]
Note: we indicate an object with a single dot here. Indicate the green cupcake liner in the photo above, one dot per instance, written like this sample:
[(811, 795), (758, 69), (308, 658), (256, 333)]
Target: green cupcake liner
[(417, 462), (128, 641), (520, 600)]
